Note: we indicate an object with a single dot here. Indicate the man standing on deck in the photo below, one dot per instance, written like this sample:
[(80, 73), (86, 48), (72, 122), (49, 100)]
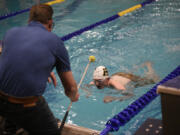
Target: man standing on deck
[(28, 57)]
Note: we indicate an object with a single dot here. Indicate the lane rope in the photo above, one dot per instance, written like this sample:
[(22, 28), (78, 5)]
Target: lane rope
[(120, 14), (134, 108), (26, 10)]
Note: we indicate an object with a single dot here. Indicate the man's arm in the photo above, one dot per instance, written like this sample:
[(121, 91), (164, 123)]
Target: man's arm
[(69, 85), (0, 46)]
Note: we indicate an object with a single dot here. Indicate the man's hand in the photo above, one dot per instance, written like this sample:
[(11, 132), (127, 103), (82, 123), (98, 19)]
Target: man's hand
[(75, 98), (51, 78), (70, 85)]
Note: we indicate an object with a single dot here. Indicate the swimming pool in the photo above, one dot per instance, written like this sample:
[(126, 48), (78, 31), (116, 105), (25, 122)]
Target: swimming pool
[(148, 34)]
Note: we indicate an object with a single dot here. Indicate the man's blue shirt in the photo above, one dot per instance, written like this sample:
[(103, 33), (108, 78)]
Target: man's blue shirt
[(29, 55)]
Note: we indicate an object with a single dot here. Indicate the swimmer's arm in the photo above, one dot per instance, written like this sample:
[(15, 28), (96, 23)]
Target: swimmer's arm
[(108, 99), (90, 84), (88, 93)]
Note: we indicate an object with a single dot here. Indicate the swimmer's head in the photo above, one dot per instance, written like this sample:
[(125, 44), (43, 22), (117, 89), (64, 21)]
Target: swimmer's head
[(100, 73), (100, 76)]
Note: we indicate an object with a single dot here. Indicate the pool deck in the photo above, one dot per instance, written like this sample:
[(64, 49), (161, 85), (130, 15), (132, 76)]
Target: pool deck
[(68, 129), (150, 127), (170, 102)]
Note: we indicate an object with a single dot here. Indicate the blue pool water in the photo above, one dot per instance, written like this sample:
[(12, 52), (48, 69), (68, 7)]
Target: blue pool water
[(148, 34)]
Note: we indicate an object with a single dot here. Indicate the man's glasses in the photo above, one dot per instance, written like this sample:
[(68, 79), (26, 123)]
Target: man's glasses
[(53, 25)]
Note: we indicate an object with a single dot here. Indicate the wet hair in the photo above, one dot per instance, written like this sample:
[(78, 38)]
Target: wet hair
[(41, 13)]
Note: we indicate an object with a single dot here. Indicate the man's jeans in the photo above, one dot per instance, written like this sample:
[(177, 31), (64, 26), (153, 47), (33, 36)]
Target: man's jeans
[(37, 120)]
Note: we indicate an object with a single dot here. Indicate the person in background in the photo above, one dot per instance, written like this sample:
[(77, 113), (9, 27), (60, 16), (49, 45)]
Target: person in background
[(122, 81), (29, 55)]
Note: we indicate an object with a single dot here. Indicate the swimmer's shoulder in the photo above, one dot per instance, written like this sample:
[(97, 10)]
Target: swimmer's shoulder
[(126, 75), (120, 74)]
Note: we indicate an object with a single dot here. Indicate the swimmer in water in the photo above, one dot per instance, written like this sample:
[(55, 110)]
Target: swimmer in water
[(121, 81)]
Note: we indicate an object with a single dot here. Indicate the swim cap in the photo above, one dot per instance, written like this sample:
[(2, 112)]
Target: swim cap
[(100, 72)]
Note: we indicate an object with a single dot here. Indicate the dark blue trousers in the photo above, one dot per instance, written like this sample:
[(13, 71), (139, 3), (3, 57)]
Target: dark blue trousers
[(36, 120)]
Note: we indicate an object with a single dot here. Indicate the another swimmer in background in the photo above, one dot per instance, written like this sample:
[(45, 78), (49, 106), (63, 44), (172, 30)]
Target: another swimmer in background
[(121, 81)]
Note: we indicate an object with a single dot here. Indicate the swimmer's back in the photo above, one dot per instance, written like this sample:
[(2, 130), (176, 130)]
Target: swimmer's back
[(139, 81), (129, 76), (120, 80)]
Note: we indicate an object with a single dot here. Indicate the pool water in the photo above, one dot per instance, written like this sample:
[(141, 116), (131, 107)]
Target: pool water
[(148, 34)]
